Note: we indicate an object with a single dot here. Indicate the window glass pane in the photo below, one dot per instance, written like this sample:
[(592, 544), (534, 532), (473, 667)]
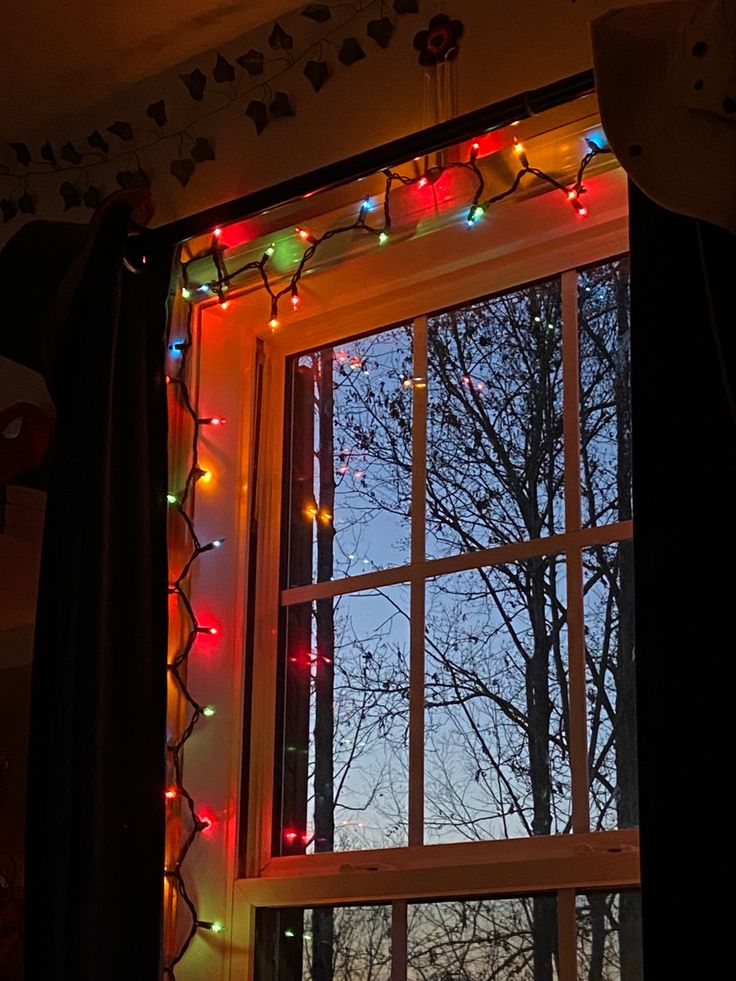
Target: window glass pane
[(345, 719), (494, 453), (497, 716), (611, 685), (605, 397), (349, 458), (344, 943), (609, 937), (485, 940)]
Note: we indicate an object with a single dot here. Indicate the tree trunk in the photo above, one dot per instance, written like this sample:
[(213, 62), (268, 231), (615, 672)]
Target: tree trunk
[(544, 926), (324, 804)]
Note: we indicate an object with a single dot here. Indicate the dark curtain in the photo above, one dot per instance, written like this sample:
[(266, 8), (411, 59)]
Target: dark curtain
[(95, 827), (683, 283)]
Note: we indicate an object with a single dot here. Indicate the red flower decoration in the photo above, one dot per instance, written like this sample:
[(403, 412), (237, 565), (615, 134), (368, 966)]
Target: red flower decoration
[(440, 41), (25, 431)]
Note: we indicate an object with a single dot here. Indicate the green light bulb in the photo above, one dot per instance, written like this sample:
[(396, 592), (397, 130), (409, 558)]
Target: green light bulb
[(289, 933), (382, 238), (171, 498), (217, 927), (209, 711)]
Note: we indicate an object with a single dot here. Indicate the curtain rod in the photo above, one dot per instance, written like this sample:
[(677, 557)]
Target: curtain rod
[(418, 144)]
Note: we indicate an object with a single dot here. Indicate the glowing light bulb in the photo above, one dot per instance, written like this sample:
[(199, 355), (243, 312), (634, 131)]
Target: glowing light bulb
[(273, 323), (476, 212), (208, 711), (204, 288), (295, 298), (171, 793), (382, 238), (367, 204), (186, 292), (217, 542), (325, 517), (475, 146), (422, 182), (407, 383), (521, 153), (311, 511), (217, 232), (572, 195), (290, 836), (206, 630), (289, 933), (205, 476), (224, 304), (302, 233), (214, 926), (171, 498), (270, 250)]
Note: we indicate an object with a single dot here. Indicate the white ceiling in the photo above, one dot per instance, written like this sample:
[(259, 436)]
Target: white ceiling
[(61, 57)]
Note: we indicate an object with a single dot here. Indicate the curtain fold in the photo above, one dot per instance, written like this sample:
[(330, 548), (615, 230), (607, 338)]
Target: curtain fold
[(95, 814), (684, 475)]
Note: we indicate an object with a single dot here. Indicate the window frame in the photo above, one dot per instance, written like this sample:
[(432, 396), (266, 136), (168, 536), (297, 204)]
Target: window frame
[(581, 860)]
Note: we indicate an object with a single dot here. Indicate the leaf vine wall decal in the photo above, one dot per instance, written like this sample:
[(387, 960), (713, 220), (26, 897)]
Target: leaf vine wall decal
[(247, 79)]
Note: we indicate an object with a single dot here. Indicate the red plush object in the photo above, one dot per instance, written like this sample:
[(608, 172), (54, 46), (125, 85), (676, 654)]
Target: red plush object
[(25, 431)]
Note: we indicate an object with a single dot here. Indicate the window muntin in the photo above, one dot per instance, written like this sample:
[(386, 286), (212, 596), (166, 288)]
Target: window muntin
[(501, 374)]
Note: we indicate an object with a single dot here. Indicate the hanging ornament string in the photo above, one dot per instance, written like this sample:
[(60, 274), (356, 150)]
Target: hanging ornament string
[(179, 587), (476, 209)]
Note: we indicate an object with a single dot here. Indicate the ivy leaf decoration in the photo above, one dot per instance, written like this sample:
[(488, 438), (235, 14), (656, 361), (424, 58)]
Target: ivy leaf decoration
[(380, 30), (279, 39), (157, 112), (256, 110), (47, 154), (195, 82), (71, 194), (98, 141), (350, 52), (202, 150), (281, 105), (92, 196), (223, 70), (182, 170), (252, 61), (26, 203), (22, 153), (317, 73), (133, 178), (8, 208), (406, 6), (124, 131), (70, 154), (318, 12)]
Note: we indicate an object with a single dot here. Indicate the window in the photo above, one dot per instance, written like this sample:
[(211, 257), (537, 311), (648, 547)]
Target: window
[(454, 763)]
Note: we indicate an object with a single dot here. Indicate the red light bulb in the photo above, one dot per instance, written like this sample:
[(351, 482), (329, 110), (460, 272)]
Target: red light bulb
[(422, 182)]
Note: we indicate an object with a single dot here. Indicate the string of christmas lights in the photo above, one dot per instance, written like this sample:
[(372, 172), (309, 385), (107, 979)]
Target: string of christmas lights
[(180, 502), (178, 663), (430, 175)]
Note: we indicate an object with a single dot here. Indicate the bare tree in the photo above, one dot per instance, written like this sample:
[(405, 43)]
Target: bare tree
[(497, 722)]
